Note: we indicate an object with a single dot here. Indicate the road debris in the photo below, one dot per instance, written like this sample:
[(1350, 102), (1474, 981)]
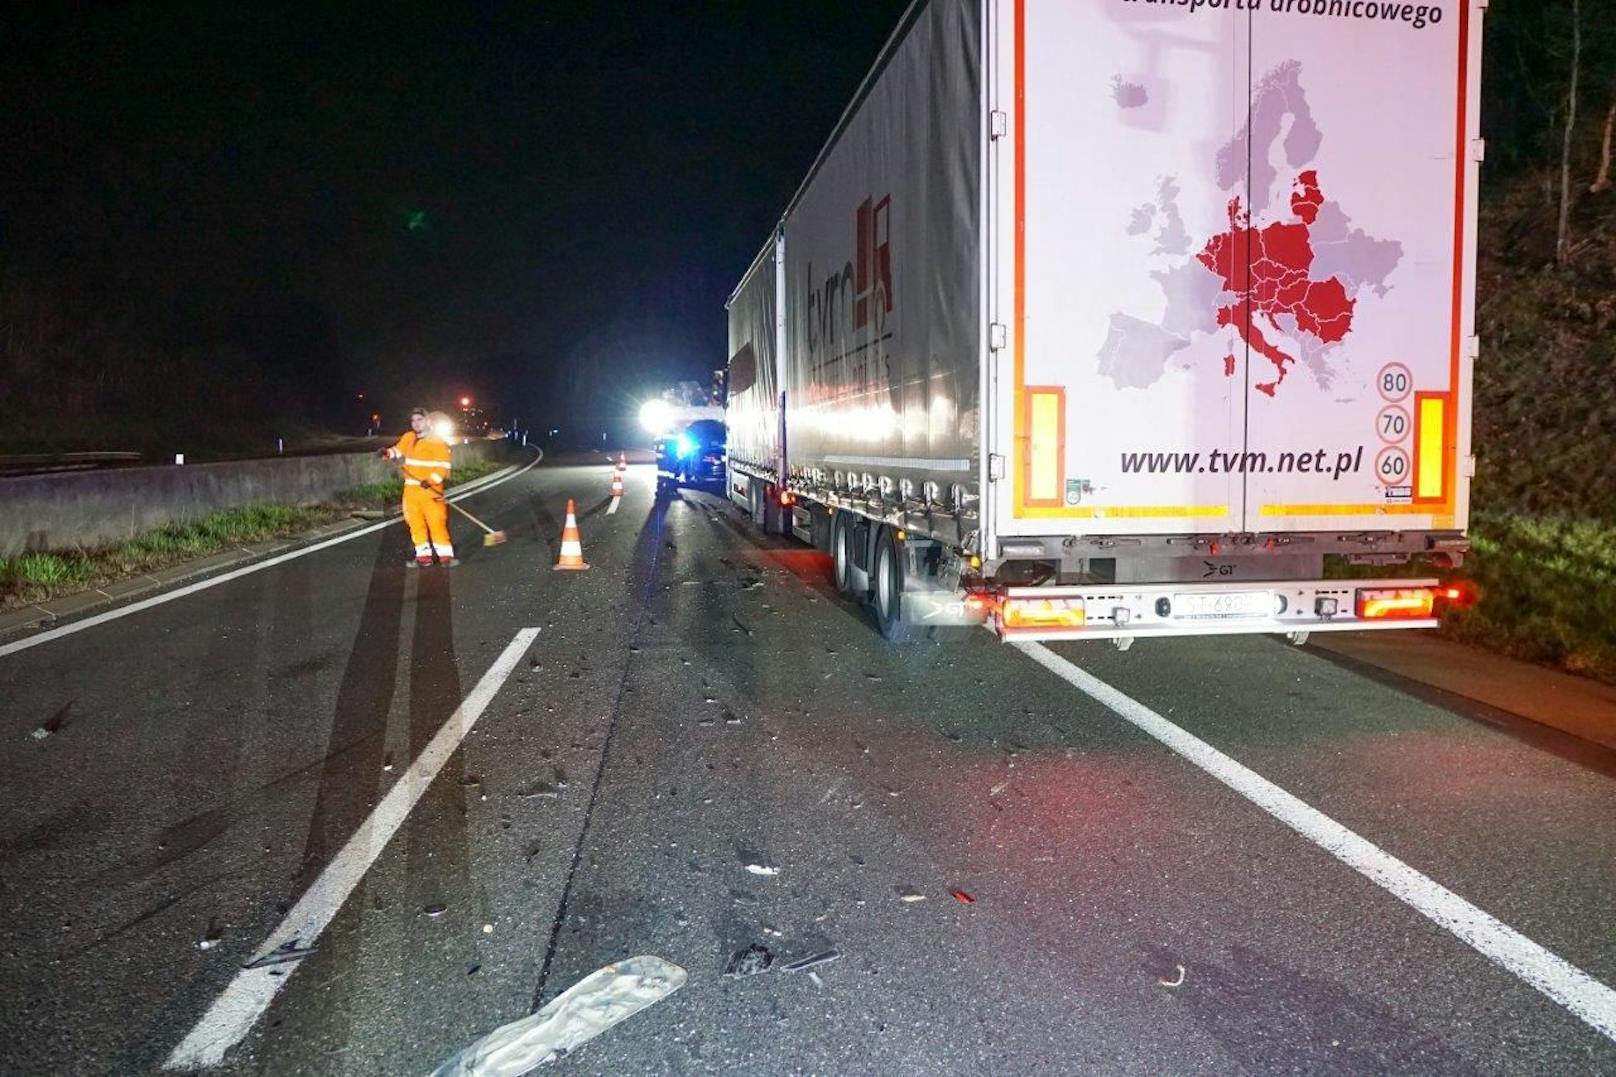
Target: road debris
[(997, 789), (963, 898), (909, 893), (824, 957), (282, 954), (763, 869), (754, 959), (435, 909), (54, 723), (1178, 981), (570, 1020), (214, 935)]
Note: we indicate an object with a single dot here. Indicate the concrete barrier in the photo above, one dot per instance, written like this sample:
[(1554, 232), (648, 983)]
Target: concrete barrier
[(101, 508)]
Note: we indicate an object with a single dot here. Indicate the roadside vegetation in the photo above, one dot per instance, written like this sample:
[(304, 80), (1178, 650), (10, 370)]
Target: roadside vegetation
[(1543, 510), (1543, 504), (37, 577), (1544, 498)]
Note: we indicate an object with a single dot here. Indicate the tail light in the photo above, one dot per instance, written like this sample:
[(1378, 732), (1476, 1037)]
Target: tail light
[(1043, 613), (1396, 604), (1461, 594)]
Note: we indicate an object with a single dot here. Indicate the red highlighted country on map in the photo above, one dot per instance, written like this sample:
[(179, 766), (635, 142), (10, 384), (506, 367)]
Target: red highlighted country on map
[(1280, 288), (1269, 271)]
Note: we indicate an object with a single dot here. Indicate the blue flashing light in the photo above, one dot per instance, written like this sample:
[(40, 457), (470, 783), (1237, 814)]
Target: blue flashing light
[(685, 446)]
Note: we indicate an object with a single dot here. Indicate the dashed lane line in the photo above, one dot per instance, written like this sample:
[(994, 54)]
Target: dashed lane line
[(244, 1001), (476, 486), (1586, 997)]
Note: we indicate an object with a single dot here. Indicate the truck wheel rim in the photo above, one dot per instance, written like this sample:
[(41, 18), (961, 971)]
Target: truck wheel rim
[(884, 584)]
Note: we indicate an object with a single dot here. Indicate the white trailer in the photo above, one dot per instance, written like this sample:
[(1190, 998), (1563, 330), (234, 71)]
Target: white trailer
[(1114, 318)]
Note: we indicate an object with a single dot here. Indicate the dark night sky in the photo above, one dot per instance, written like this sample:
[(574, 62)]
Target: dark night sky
[(593, 178)]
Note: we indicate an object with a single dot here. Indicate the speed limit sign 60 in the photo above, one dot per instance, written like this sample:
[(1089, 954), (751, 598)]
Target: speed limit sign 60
[(1392, 466)]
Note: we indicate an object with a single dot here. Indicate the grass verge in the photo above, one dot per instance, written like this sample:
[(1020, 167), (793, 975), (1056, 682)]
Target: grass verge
[(36, 577), (1546, 590)]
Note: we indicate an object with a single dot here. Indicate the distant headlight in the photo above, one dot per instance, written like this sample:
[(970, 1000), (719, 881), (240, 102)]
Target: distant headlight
[(656, 416)]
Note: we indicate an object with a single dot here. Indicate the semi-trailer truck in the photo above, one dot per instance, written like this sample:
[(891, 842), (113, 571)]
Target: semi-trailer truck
[(1115, 318)]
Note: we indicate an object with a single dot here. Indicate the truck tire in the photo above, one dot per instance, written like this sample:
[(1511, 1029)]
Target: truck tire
[(841, 553), (887, 579), (759, 495)]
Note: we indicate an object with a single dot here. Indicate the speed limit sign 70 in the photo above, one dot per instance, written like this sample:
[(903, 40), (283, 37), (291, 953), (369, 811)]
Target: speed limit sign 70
[(1393, 424)]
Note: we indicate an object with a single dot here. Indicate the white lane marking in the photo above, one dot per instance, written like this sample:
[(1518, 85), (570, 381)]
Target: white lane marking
[(1584, 996), (476, 486), (613, 506), (234, 1012)]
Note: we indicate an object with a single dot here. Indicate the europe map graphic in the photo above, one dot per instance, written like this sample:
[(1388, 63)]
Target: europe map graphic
[(1284, 280)]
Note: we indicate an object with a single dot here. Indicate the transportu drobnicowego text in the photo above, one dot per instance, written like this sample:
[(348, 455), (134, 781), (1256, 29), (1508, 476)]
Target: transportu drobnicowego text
[(1416, 16)]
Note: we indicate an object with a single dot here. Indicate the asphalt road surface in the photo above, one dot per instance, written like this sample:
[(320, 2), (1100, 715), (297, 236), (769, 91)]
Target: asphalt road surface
[(704, 748)]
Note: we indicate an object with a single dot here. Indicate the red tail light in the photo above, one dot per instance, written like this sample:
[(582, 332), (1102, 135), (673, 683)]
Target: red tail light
[(1393, 604), (980, 603), (1043, 613), (1462, 594)]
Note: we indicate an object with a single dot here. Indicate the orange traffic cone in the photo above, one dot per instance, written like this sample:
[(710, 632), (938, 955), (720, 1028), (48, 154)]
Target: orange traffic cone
[(572, 547), (622, 461), (617, 485)]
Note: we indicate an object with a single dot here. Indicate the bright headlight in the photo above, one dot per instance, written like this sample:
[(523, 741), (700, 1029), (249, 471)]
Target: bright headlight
[(656, 416)]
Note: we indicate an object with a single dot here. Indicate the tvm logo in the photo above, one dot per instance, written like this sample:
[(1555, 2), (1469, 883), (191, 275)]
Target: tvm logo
[(872, 278), (856, 299)]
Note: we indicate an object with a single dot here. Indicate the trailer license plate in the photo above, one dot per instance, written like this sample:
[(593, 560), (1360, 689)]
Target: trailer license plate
[(1224, 606)]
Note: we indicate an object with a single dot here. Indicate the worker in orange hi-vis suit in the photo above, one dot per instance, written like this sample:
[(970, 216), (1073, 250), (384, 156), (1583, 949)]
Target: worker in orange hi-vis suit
[(423, 454)]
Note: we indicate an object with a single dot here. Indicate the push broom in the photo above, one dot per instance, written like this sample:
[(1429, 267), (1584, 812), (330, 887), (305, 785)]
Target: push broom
[(493, 538)]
